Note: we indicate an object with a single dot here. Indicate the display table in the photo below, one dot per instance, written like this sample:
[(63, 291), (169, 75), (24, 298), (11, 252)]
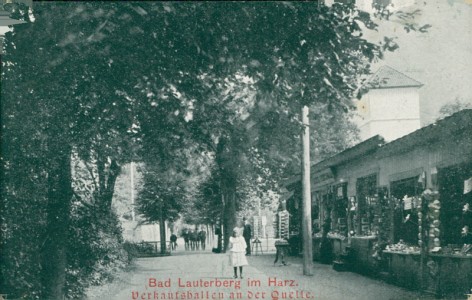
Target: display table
[(362, 251), (338, 245), (446, 275), (403, 268), (258, 245), (282, 247)]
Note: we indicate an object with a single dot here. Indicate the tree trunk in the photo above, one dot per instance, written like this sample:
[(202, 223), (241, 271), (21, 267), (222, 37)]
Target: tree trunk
[(106, 182), (227, 160), (219, 241), (229, 220), (107, 195), (101, 173), (54, 252), (162, 233)]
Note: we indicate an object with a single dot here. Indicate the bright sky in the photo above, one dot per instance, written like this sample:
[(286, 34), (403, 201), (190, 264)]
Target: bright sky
[(4, 29), (441, 59)]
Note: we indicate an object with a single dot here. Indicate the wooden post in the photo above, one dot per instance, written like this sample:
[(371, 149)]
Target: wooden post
[(131, 167), (306, 218)]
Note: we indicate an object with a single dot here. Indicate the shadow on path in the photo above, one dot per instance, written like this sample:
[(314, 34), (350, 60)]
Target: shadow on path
[(261, 276)]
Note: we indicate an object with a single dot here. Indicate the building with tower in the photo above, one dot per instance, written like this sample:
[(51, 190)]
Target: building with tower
[(398, 202), (390, 107)]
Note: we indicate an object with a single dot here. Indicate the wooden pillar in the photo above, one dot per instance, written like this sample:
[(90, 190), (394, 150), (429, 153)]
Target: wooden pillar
[(306, 218)]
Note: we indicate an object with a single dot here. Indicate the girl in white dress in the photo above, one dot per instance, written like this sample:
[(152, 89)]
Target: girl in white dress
[(237, 246)]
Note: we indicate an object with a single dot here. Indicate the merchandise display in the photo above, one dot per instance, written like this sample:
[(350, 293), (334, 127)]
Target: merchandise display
[(402, 247)]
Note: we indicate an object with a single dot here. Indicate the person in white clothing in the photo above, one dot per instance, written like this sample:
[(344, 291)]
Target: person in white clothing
[(237, 246)]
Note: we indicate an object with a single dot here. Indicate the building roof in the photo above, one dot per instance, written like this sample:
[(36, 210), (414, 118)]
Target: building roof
[(361, 149), (388, 78), (367, 146), (444, 129)]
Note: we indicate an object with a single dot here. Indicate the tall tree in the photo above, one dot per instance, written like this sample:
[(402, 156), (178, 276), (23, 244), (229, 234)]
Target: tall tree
[(160, 199), (59, 94)]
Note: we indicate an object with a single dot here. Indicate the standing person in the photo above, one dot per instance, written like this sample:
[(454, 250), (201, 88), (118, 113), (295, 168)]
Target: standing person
[(219, 240), (237, 246), (247, 234), (186, 234), (193, 236), (202, 238), (326, 248), (195, 240), (173, 241)]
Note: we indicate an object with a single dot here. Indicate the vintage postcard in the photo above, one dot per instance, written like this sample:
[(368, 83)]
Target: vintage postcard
[(236, 150)]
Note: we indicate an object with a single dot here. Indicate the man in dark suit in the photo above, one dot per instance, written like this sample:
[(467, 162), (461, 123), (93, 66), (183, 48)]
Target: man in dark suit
[(247, 234)]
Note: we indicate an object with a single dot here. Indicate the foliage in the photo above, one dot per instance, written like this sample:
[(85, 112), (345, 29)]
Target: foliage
[(451, 108), (22, 229), (95, 251), (132, 249), (205, 207), (49, 106), (160, 196)]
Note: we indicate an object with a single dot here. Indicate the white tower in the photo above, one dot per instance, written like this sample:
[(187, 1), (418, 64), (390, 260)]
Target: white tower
[(391, 107)]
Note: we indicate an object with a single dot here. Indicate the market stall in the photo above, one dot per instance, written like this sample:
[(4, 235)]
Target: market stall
[(428, 263)]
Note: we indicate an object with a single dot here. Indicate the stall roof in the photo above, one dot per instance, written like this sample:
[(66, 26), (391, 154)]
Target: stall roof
[(444, 129), (365, 147), (441, 129), (360, 149)]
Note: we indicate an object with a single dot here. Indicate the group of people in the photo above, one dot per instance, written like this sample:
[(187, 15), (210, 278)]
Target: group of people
[(194, 240), (239, 245)]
